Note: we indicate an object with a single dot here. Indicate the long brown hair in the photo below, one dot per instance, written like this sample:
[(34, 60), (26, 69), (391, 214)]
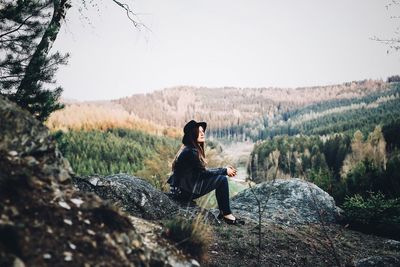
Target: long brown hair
[(199, 146)]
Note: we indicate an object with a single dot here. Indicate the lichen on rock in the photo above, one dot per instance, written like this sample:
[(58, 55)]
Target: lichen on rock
[(132, 194), (288, 202)]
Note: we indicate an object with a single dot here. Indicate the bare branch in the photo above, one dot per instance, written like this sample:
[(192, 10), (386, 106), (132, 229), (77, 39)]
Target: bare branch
[(392, 3), (393, 43), (131, 15), (324, 229), (263, 204), (128, 10)]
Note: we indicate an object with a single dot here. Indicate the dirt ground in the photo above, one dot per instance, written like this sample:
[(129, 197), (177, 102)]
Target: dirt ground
[(90, 235), (310, 245), (41, 230)]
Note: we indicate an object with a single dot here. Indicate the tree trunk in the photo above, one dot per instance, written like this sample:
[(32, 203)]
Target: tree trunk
[(28, 84)]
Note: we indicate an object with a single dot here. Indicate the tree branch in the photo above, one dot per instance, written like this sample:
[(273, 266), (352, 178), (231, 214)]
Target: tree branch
[(330, 245), (19, 27), (25, 20), (31, 79), (128, 10), (10, 76), (130, 14), (261, 209)]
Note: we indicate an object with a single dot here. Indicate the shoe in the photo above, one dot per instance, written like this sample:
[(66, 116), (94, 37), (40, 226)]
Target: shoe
[(233, 222), (229, 221)]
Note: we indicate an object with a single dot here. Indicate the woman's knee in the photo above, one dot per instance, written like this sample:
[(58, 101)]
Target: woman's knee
[(223, 179)]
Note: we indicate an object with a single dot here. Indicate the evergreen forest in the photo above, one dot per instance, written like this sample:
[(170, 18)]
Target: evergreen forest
[(118, 150), (349, 148), (323, 118)]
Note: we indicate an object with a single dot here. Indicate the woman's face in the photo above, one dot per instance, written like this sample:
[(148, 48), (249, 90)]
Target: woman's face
[(202, 137)]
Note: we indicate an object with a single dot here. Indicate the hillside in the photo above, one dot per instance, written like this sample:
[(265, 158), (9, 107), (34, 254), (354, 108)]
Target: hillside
[(229, 111), (114, 150), (324, 118), (102, 116), (229, 106)]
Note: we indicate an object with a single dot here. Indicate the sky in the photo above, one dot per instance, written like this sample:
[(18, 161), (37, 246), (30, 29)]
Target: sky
[(217, 43)]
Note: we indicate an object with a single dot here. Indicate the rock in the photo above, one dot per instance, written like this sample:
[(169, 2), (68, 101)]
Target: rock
[(67, 256), (393, 244), (378, 261), (139, 198), (18, 262), (195, 263), (26, 149), (132, 194), (291, 202), (47, 256), (46, 221)]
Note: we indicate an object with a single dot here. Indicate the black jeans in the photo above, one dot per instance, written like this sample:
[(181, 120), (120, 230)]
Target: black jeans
[(221, 186)]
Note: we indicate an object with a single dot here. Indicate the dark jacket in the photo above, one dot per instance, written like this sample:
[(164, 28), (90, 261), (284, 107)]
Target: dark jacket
[(190, 175)]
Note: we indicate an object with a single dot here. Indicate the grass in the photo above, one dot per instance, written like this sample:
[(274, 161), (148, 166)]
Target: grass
[(193, 236)]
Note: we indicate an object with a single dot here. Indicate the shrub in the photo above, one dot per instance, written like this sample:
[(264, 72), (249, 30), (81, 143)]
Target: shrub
[(374, 209), (322, 178), (192, 236), (364, 177)]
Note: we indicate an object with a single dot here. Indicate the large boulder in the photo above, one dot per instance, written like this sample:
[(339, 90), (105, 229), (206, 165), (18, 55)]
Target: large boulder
[(288, 202), (26, 150), (132, 194), (378, 261), (139, 198)]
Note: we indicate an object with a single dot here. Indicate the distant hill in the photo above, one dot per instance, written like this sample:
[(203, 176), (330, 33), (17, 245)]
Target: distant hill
[(67, 100), (102, 116), (228, 106), (325, 118), (164, 112)]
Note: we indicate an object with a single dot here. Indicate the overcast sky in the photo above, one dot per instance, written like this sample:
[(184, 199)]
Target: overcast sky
[(215, 43)]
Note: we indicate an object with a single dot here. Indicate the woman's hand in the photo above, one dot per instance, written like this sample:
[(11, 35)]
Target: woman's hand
[(231, 171)]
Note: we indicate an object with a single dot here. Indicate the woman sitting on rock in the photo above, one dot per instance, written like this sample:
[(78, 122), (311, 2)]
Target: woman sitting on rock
[(191, 179)]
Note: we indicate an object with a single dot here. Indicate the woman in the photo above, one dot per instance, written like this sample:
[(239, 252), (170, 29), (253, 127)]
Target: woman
[(191, 179)]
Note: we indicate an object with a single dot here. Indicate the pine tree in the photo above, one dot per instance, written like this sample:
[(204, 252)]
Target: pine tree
[(29, 29)]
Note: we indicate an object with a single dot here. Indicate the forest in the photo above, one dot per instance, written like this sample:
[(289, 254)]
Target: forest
[(123, 150), (228, 107), (352, 153), (118, 150), (322, 118)]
